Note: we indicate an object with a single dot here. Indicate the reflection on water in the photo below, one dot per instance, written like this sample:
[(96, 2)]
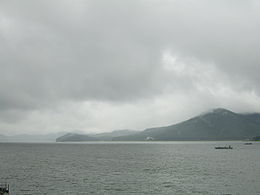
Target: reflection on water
[(130, 168)]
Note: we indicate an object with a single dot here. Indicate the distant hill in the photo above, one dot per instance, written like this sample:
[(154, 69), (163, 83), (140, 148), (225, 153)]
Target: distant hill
[(256, 138), (108, 136), (254, 117), (30, 137), (218, 124), (73, 137), (2, 138)]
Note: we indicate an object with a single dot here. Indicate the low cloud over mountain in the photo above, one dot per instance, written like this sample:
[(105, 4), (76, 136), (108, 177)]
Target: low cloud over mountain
[(94, 65)]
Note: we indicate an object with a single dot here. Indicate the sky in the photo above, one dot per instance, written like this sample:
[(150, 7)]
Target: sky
[(96, 66)]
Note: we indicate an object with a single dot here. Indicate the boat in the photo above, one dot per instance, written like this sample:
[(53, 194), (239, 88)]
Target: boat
[(4, 189), (224, 147), (248, 143)]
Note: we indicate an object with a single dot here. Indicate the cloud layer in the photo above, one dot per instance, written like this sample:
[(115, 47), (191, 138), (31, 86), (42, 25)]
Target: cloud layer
[(94, 66)]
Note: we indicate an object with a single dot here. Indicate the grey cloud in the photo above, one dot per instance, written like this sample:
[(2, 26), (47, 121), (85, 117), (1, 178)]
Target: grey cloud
[(55, 51)]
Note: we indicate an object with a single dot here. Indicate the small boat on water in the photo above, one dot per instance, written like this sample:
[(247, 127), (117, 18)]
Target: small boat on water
[(248, 143), (4, 189), (224, 147)]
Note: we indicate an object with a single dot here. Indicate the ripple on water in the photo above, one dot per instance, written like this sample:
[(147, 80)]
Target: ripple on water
[(170, 168)]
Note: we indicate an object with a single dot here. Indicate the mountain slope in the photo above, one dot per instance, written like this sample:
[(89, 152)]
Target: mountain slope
[(254, 117), (219, 124), (74, 137), (108, 136)]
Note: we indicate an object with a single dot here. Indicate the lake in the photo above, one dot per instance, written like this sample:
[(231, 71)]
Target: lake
[(130, 168)]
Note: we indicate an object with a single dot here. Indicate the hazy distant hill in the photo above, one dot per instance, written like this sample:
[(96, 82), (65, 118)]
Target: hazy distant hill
[(94, 137), (72, 137), (51, 137), (2, 138), (254, 117), (110, 135), (218, 124)]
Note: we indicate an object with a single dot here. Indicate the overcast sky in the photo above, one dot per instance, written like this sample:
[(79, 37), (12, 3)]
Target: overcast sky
[(97, 65)]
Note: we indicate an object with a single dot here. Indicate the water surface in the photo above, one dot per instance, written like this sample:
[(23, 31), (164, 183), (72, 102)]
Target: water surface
[(130, 168)]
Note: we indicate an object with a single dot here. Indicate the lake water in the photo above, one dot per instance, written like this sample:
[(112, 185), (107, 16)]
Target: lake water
[(130, 168)]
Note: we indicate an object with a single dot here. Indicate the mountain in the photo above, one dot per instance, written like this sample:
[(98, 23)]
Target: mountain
[(108, 136), (254, 117), (256, 138), (73, 137), (218, 124)]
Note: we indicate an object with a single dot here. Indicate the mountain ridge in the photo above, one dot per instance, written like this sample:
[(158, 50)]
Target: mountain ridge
[(217, 124), (106, 136)]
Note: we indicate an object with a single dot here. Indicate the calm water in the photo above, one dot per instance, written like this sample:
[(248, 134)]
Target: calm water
[(130, 168)]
